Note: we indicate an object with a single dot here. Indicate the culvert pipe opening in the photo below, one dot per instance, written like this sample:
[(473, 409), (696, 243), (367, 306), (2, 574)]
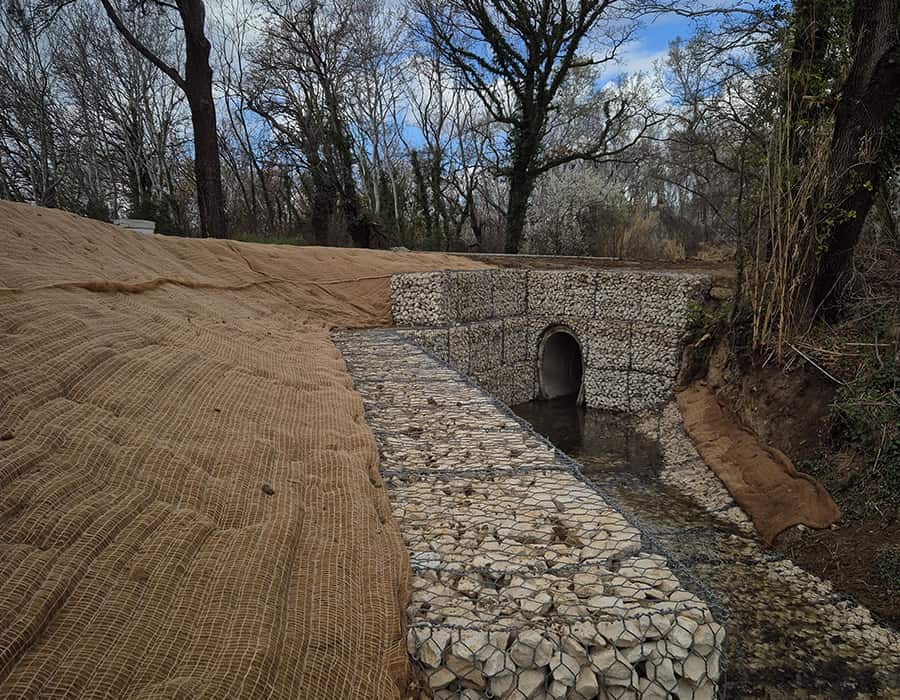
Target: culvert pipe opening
[(560, 365)]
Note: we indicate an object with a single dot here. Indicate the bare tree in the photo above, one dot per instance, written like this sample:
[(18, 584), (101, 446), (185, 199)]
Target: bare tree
[(517, 57), (302, 76), (196, 83), (376, 109), (33, 158), (130, 121), (245, 143)]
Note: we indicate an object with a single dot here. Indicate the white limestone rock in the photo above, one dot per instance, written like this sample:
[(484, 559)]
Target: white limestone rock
[(531, 649)]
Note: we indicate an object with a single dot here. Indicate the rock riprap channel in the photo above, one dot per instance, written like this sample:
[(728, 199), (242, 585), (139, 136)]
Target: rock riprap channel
[(790, 634), (526, 582)]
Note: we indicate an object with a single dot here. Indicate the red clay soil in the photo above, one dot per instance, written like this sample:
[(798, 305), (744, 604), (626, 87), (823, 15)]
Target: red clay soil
[(190, 503), (762, 480)]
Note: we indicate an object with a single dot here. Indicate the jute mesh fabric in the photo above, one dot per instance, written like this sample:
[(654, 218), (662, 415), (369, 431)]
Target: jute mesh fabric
[(190, 503)]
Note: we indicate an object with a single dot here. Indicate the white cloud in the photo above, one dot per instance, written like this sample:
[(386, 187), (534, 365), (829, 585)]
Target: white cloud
[(636, 58)]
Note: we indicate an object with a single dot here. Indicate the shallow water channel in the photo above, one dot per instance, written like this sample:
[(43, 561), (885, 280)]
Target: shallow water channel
[(789, 634)]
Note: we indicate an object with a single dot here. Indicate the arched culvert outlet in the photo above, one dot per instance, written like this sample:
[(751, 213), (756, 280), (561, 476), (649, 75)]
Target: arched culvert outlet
[(560, 364)]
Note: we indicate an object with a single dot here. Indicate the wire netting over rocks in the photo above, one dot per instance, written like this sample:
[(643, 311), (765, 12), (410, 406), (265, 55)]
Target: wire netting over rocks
[(527, 582), (490, 324)]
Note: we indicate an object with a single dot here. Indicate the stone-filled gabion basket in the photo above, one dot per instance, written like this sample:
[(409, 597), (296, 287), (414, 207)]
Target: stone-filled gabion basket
[(489, 324), (527, 582), (597, 617)]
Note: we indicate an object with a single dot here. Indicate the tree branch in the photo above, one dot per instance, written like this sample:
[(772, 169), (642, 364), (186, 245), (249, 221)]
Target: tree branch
[(140, 47)]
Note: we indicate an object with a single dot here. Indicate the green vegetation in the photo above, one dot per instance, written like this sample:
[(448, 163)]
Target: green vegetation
[(865, 418), (887, 564)]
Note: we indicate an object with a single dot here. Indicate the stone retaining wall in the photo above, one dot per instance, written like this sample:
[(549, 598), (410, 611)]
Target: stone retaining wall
[(488, 324)]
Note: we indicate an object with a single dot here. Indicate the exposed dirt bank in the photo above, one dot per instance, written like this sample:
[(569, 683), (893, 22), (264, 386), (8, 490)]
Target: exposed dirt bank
[(787, 409), (189, 495), (790, 409)]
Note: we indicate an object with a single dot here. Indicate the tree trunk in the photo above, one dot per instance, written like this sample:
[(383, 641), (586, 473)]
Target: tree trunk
[(422, 199), (520, 187), (526, 143), (198, 90), (437, 196), (197, 87), (320, 211), (358, 224), (868, 99)]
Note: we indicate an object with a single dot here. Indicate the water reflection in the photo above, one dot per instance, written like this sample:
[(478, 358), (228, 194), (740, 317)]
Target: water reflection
[(600, 440)]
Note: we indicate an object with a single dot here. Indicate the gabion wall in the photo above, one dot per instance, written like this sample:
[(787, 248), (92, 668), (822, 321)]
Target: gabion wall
[(528, 583), (488, 324)]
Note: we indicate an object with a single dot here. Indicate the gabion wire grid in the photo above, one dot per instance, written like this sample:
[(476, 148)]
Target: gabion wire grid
[(527, 581), (489, 324)]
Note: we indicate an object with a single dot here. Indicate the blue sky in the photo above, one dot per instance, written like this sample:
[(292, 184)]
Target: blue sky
[(651, 42)]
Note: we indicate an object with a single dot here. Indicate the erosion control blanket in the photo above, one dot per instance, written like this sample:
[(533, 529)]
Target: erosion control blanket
[(190, 503), (761, 479)]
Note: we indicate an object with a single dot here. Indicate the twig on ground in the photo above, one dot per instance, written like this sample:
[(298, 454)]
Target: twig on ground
[(816, 365), (880, 446)]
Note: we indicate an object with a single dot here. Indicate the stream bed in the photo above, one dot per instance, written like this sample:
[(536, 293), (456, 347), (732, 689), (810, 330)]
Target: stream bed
[(789, 634)]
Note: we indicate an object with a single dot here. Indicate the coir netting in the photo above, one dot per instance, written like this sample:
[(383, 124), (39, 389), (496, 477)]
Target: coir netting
[(189, 494)]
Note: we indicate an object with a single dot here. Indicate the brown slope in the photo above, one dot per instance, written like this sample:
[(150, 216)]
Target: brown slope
[(189, 494), (761, 479)]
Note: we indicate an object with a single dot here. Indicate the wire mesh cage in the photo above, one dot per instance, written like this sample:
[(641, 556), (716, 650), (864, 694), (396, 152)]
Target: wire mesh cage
[(527, 581)]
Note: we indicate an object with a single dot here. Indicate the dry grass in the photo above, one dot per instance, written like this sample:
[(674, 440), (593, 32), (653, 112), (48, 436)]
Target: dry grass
[(785, 254)]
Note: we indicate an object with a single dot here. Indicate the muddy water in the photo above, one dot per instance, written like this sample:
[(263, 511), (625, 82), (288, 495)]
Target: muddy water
[(790, 636)]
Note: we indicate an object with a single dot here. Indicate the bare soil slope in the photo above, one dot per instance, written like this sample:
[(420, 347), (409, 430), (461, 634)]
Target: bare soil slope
[(189, 495)]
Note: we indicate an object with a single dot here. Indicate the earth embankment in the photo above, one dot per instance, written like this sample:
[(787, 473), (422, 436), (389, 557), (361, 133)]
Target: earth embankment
[(189, 495)]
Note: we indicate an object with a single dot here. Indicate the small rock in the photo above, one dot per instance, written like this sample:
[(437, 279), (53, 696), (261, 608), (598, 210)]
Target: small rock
[(586, 685), (708, 637), (612, 665), (606, 604), (465, 670), (530, 681), (557, 691), (267, 489), (706, 691), (6, 436), (440, 678), (587, 585), (501, 684), (616, 632), (657, 626), (468, 585), (662, 672), (538, 604), (468, 643), (651, 690), (576, 649), (564, 668), (682, 632), (694, 668), (497, 664), (531, 650)]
